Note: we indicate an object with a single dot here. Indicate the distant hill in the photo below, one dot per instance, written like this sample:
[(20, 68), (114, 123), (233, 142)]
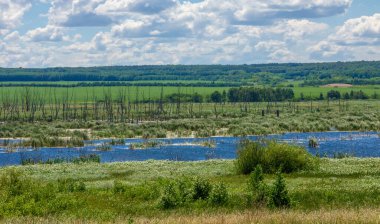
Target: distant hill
[(312, 74)]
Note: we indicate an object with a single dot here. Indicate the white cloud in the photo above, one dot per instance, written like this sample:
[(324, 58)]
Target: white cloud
[(14, 36), (136, 6), (347, 42), (11, 12), (177, 31), (297, 29), (48, 33), (359, 31)]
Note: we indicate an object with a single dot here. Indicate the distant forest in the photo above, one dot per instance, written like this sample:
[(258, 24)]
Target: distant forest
[(312, 74)]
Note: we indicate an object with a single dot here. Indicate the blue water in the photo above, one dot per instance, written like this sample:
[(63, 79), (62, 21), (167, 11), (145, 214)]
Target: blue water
[(359, 144)]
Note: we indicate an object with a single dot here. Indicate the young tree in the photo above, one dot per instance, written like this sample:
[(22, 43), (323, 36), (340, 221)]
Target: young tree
[(216, 97)]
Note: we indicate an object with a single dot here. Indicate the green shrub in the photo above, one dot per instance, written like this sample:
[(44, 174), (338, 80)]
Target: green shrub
[(289, 158), (71, 185), (249, 155), (22, 196), (256, 178), (271, 156), (219, 195), (258, 190), (118, 187), (279, 197), (170, 198), (201, 189)]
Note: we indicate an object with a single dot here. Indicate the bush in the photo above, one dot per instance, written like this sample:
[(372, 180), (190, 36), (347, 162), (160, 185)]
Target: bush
[(249, 155), (201, 189), (279, 197), (170, 198), (23, 196), (219, 195), (258, 189), (118, 187), (288, 158), (256, 178), (272, 156), (71, 185)]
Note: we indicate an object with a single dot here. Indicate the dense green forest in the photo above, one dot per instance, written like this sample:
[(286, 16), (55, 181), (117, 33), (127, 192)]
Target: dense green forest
[(313, 74)]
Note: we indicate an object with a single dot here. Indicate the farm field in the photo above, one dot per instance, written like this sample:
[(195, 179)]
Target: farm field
[(315, 91), (130, 192), (81, 94)]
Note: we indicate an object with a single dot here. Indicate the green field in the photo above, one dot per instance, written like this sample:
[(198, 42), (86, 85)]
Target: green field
[(340, 186), (154, 92), (82, 93), (315, 91)]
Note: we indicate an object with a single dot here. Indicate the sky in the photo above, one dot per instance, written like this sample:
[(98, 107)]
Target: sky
[(72, 33)]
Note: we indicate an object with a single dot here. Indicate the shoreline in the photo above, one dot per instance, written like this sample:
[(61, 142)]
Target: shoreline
[(192, 137)]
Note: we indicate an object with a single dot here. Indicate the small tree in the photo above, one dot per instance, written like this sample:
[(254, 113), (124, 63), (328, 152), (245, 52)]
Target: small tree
[(279, 197), (201, 189), (219, 195), (216, 97), (257, 187), (321, 97)]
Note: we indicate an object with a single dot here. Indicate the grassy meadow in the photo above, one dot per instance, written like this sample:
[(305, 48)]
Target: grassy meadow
[(316, 91), (131, 191)]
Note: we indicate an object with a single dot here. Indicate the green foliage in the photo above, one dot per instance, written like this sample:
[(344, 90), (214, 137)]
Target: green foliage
[(313, 142), (70, 185), (289, 158), (258, 190), (183, 192), (272, 156), (219, 194), (201, 189), (32, 192), (21, 196), (256, 178), (279, 197), (118, 187), (91, 158), (249, 155), (170, 198)]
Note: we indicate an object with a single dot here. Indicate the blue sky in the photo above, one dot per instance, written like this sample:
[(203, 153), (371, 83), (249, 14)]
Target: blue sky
[(51, 33)]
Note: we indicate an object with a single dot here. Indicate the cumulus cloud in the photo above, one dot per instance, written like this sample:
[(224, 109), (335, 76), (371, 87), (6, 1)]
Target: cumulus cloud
[(297, 29), (78, 13), (86, 19), (11, 12), (359, 31), (264, 12), (347, 41), (48, 33), (185, 32), (137, 6)]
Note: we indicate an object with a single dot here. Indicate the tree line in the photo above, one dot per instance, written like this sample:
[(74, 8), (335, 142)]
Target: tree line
[(362, 72)]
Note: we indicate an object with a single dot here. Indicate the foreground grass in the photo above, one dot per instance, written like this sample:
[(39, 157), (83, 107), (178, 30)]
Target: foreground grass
[(342, 186), (258, 216)]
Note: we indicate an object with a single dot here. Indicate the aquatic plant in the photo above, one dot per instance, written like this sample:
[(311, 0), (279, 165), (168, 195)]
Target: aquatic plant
[(103, 147), (209, 143), (145, 145), (341, 155), (313, 142)]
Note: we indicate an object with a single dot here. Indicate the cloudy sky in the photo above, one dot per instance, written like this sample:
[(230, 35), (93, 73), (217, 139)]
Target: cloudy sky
[(49, 33)]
